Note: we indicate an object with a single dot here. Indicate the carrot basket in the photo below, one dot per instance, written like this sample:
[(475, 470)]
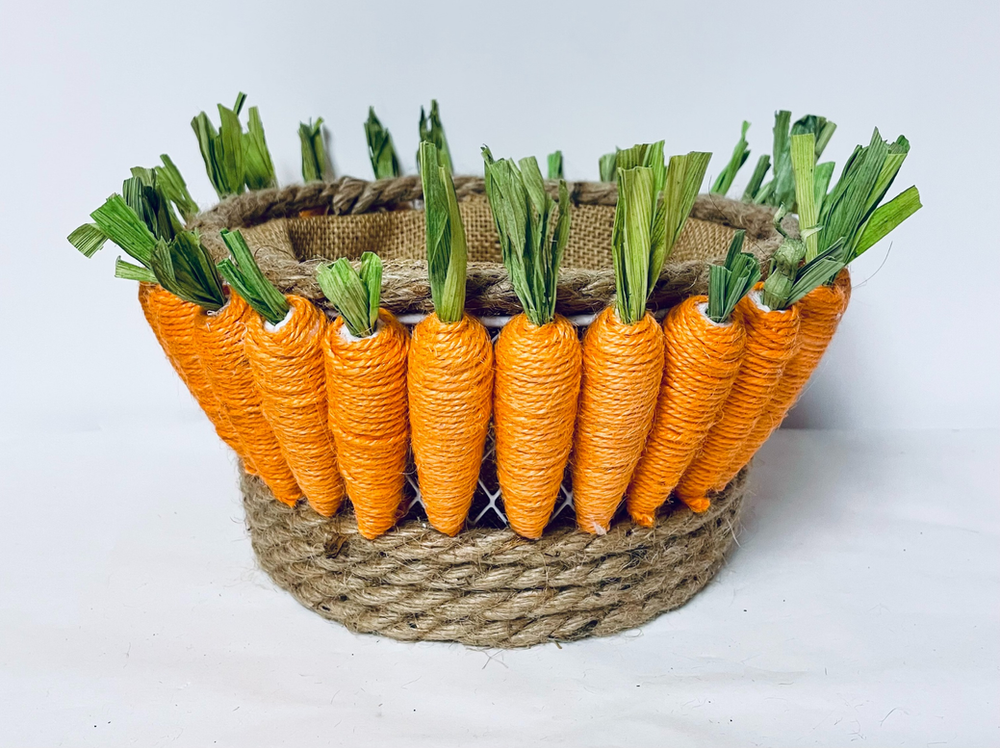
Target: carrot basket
[(486, 586), (497, 410)]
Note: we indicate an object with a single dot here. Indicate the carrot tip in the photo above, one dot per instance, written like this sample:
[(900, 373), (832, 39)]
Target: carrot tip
[(644, 519), (698, 505)]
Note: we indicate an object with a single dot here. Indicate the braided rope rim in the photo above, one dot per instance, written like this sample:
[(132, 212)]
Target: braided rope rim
[(487, 587)]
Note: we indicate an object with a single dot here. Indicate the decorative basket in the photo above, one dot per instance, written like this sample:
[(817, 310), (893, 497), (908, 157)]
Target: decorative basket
[(486, 586)]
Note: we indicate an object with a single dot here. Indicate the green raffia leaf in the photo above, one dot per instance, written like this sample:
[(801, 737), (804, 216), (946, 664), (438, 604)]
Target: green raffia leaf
[(432, 131), (447, 252), (184, 267), (531, 249), (315, 162), (813, 275), (122, 226), (741, 152), (242, 273), (784, 270), (257, 164), (128, 271), (803, 153), (781, 189), (381, 151), (757, 178), (887, 217), (821, 182), (731, 281), (233, 159), (555, 165), (356, 294), (684, 177), (606, 166), (631, 241), (88, 239), (174, 188)]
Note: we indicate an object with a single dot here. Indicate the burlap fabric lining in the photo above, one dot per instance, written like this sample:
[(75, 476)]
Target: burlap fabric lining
[(489, 588), (485, 587)]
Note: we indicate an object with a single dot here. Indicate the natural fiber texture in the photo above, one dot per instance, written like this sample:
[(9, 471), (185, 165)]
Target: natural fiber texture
[(220, 341), (819, 315), (489, 588), (622, 368), (535, 398), (701, 363), (770, 344), (287, 366), (450, 389), (366, 382), (379, 216), (173, 322)]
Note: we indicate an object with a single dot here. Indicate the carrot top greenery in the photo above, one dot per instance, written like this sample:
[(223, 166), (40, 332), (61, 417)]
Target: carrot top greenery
[(235, 160), (531, 247), (356, 293), (839, 227), (432, 131), (555, 165), (315, 161), (381, 151), (654, 201), (731, 281), (447, 253), (741, 152), (780, 190), (242, 273)]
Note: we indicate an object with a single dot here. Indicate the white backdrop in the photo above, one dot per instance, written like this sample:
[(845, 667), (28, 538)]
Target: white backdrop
[(89, 90), (860, 602)]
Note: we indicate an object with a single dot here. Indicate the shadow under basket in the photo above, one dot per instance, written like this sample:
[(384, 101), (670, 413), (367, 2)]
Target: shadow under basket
[(490, 587), (487, 586)]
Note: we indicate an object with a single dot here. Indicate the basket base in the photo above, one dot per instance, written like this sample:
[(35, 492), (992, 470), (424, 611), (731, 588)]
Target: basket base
[(489, 587)]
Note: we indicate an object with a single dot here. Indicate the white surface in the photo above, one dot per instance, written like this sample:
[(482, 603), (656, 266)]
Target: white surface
[(860, 606), (89, 91)]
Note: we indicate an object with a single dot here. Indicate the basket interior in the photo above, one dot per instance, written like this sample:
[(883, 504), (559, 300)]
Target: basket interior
[(399, 235)]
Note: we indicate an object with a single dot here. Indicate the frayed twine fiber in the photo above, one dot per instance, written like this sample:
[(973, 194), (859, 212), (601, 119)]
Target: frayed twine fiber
[(489, 588)]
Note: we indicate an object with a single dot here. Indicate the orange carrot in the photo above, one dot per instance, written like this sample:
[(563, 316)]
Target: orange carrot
[(538, 372), (538, 355), (220, 339), (622, 367), (284, 345), (770, 344), (704, 348), (287, 365), (365, 351), (701, 362), (623, 348), (819, 313), (450, 365), (173, 321)]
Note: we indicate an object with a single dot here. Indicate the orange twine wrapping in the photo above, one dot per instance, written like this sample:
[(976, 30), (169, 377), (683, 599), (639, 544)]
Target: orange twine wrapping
[(701, 363), (770, 344), (535, 400), (173, 322), (287, 365), (819, 315), (622, 368), (450, 389), (220, 339), (366, 386)]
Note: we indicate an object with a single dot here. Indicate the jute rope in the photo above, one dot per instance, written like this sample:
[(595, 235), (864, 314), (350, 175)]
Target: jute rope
[(489, 588)]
